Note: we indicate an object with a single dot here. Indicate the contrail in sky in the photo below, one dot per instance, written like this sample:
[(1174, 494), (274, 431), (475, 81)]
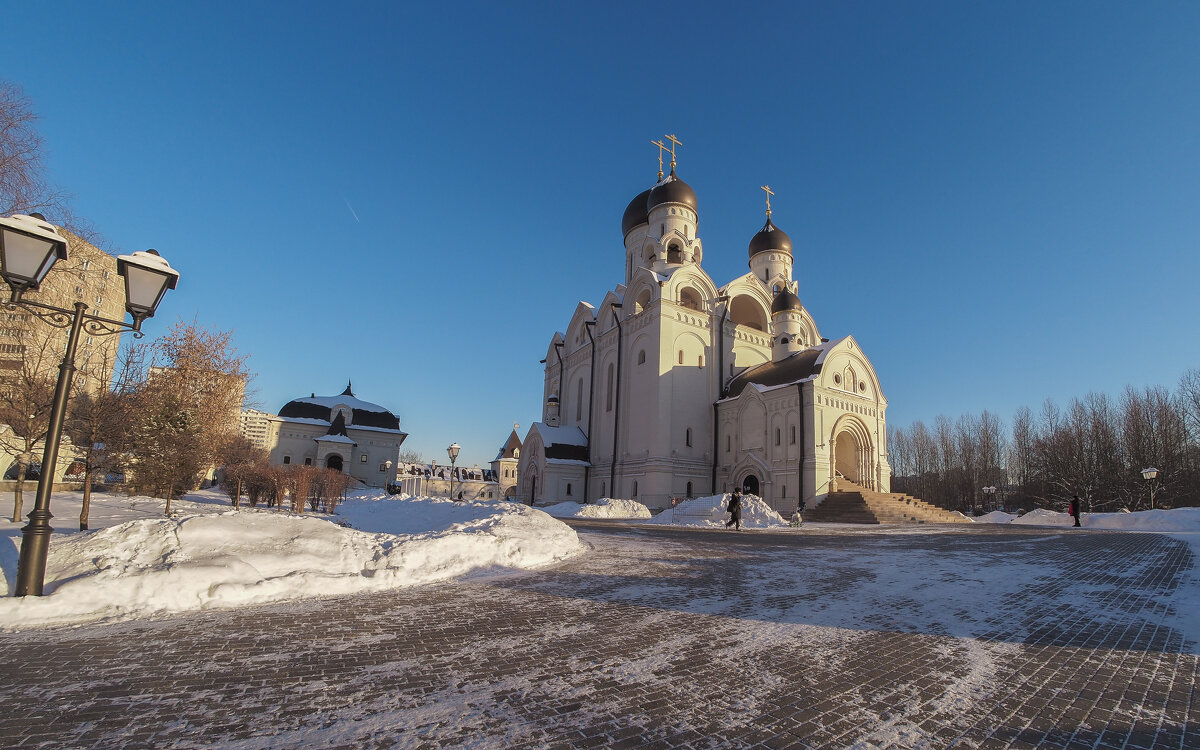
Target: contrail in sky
[(351, 210)]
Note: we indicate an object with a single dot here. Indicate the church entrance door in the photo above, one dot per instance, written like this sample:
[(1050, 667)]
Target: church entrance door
[(334, 462), (750, 485), (846, 452)]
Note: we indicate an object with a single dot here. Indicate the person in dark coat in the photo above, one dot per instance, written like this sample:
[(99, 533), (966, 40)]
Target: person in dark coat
[(1073, 509), (735, 510)]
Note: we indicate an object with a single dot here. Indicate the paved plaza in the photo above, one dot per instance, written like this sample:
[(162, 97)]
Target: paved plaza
[(833, 637)]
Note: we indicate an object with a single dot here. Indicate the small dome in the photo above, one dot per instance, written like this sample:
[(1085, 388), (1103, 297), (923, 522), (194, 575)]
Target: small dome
[(785, 301), (635, 213), (672, 190), (770, 237)]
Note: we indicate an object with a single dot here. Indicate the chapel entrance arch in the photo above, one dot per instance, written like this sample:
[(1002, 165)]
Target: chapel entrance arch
[(845, 452), (334, 462), (853, 453), (750, 484)]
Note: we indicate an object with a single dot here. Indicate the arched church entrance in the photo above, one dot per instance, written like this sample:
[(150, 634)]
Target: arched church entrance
[(334, 462), (846, 452), (750, 485)]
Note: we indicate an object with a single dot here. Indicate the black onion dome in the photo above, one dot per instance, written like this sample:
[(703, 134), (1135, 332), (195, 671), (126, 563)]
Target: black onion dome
[(785, 301), (770, 237), (635, 213), (672, 190)]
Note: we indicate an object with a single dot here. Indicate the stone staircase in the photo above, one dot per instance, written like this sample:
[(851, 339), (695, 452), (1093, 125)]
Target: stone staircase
[(854, 504)]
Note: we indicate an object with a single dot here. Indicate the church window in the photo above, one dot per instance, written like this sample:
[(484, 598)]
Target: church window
[(793, 434), (776, 436), (516, 452), (784, 493), (635, 488), (579, 400), (689, 490), (776, 288), (609, 396), (568, 489), (362, 459), (674, 254), (681, 356), (287, 459), (308, 462), (728, 443), (837, 379), (700, 361), (688, 439), (642, 357), (603, 486), (783, 339)]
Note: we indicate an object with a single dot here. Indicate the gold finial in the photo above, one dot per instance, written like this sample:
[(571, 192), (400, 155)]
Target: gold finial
[(769, 192), (661, 146), (674, 142)]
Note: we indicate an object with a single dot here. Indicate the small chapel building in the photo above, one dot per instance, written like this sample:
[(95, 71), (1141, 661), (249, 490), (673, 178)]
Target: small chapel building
[(675, 386), (339, 432)]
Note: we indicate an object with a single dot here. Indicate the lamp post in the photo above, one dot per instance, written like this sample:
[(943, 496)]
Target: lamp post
[(452, 451), (29, 248), (387, 475), (1150, 475), (990, 493)]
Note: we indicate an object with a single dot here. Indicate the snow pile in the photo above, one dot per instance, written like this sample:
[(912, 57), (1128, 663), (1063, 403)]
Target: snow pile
[(1179, 519), (711, 511), (605, 507), (233, 558)]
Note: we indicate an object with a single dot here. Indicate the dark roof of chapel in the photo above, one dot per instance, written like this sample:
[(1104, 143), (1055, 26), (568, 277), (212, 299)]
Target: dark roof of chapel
[(785, 300), (770, 237), (635, 213), (672, 190)]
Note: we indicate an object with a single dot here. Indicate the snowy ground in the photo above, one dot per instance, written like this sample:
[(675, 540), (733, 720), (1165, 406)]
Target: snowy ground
[(135, 562), (1178, 519)]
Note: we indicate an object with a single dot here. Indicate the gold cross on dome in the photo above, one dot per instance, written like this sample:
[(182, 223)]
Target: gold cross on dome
[(769, 192), (674, 142), (661, 146)]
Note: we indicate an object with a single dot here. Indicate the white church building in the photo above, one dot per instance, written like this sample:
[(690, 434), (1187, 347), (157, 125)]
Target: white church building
[(675, 386)]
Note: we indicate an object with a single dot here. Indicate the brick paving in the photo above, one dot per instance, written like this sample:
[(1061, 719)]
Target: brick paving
[(663, 638)]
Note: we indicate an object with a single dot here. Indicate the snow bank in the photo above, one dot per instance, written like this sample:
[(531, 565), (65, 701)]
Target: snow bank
[(605, 507), (1178, 519), (233, 558), (710, 511)]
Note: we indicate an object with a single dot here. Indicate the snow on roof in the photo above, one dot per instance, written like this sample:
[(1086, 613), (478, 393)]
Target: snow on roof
[(330, 402), (561, 435), (334, 439), (568, 462)]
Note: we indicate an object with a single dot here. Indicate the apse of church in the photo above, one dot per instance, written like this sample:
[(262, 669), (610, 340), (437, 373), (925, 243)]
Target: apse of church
[(675, 387)]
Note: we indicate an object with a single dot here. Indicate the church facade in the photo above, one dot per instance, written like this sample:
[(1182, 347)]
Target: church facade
[(675, 386)]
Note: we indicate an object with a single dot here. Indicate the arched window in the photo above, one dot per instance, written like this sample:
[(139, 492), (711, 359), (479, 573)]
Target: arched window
[(674, 254), (776, 436), (643, 301), (700, 361), (689, 490), (609, 398), (681, 356), (688, 439), (603, 487), (635, 488), (641, 356), (689, 298), (579, 400), (728, 443), (568, 489), (793, 434)]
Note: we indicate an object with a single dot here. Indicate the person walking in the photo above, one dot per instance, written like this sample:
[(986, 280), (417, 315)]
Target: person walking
[(735, 510), (1073, 509)]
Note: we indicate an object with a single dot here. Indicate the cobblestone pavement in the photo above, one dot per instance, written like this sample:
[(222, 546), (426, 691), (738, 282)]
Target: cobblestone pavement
[(829, 637)]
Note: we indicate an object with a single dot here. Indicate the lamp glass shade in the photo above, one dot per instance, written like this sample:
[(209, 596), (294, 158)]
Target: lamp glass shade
[(452, 451), (147, 278), (26, 257)]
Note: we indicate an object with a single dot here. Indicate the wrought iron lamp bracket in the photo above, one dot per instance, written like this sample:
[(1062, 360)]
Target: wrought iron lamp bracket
[(94, 325)]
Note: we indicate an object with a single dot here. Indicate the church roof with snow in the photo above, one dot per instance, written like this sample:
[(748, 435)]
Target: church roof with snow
[(799, 366), (362, 413)]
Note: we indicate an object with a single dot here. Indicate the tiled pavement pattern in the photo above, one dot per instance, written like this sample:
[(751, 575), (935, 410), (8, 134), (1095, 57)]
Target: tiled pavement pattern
[(662, 638)]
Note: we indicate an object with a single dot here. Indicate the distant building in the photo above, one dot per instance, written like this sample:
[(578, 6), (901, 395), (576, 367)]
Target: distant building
[(504, 465), (339, 432), (256, 427)]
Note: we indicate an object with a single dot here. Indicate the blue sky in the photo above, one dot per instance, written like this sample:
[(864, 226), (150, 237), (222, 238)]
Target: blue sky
[(999, 201)]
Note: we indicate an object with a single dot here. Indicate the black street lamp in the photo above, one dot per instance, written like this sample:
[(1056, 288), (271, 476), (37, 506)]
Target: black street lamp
[(1150, 475), (452, 451), (989, 492), (29, 248)]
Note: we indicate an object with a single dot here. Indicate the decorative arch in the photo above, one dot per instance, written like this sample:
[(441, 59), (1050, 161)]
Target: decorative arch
[(745, 310), (853, 454), (642, 301), (690, 298)]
